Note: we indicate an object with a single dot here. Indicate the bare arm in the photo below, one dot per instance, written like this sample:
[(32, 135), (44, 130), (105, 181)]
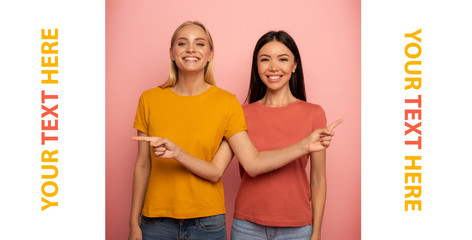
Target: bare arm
[(318, 190), (255, 162), (142, 170), (211, 171)]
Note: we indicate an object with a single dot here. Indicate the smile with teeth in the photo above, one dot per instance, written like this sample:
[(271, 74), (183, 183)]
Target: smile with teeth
[(191, 59), (274, 77)]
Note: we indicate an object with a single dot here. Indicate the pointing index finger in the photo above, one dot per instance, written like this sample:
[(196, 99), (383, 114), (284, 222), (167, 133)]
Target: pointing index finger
[(144, 138), (334, 124)]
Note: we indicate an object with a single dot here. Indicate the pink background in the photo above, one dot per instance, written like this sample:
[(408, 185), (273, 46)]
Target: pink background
[(328, 36)]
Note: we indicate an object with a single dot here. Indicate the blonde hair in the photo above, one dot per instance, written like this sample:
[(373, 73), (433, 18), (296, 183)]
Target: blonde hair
[(174, 73)]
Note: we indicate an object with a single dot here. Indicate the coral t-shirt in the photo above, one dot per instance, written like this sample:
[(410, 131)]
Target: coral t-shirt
[(281, 197), (197, 124)]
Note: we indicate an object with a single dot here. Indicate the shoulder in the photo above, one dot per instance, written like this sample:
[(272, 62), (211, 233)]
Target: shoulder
[(222, 93), (153, 92), (222, 97), (310, 107), (316, 113), (313, 111), (250, 105)]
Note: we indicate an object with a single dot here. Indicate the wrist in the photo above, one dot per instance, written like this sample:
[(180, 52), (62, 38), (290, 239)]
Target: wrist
[(178, 153), (304, 145), (315, 236), (316, 233), (133, 224)]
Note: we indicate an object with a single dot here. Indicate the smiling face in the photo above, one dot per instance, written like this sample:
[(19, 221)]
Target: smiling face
[(191, 50), (275, 65)]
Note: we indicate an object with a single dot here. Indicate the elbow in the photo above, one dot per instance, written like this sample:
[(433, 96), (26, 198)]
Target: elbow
[(318, 184), (215, 177), (257, 168), (142, 168), (253, 172)]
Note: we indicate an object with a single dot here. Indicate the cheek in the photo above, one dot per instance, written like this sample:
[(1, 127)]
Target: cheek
[(289, 68), (206, 52), (261, 74), (261, 69), (174, 54)]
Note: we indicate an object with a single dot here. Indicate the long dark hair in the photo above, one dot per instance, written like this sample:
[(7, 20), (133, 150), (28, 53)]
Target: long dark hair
[(257, 88)]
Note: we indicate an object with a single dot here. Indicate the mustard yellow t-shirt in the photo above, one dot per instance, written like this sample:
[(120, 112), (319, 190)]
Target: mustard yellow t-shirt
[(197, 124)]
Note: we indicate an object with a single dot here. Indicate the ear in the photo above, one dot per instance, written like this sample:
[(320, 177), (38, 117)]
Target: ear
[(212, 54), (294, 67), (170, 54)]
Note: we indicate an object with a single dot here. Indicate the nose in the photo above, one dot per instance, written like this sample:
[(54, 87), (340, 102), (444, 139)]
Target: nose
[(273, 66), (190, 48)]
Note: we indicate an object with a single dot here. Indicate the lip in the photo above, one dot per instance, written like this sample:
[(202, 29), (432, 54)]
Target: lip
[(274, 78), (191, 58)]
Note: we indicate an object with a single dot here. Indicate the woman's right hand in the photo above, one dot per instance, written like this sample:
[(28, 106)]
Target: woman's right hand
[(320, 139), (165, 148), (161, 147), (135, 233)]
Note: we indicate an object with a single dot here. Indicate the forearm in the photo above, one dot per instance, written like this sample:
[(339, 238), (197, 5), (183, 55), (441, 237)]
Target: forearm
[(318, 193), (211, 171), (199, 167), (266, 161), (255, 162), (140, 181)]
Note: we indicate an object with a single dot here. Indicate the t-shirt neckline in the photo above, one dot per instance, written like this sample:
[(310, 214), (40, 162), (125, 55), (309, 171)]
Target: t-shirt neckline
[(210, 89), (277, 108)]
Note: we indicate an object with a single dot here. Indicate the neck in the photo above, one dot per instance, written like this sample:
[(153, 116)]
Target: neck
[(279, 98), (190, 84)]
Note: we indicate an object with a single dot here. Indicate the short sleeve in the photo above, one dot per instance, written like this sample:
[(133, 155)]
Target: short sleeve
[(141, 119), (319, 118), (236, 120)]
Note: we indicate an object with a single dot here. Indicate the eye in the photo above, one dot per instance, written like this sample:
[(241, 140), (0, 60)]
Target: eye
[(264, 59), (181, 44), (201, 44), (283, 59)]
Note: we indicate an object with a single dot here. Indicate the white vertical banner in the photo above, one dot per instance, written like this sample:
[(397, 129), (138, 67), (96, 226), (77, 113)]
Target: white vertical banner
[(53, 119), (416, 119)]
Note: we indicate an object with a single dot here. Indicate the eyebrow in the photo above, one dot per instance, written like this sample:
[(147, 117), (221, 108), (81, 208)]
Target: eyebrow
[(197, 39), (281, 55)]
